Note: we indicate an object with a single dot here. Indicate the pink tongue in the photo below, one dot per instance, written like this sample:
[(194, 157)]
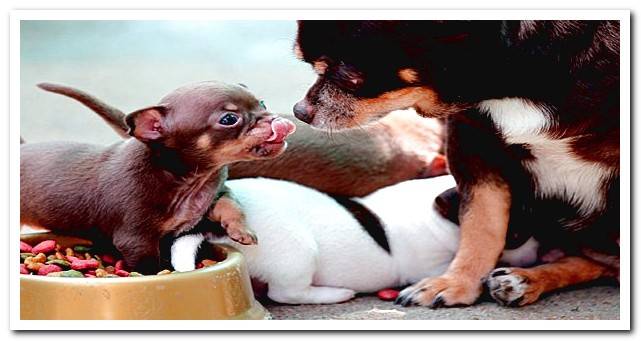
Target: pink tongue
[(281, 128)]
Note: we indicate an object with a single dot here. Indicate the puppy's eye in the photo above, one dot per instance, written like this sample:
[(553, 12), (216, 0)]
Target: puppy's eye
[(261, 103), (228, 119)]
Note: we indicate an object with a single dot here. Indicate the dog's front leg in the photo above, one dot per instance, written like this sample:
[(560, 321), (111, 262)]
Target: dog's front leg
[(230, 214), (518, 286), (484, 215)]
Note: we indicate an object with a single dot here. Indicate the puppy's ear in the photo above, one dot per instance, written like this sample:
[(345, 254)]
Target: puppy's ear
[(147, 124)]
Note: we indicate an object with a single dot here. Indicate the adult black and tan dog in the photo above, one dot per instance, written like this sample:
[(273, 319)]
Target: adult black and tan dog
[(533, 135)]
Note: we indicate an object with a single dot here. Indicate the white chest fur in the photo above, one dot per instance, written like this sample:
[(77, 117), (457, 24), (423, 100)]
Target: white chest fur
[(557, 172)]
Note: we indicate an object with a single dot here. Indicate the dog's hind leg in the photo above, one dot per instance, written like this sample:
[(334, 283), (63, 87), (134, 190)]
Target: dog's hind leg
[(309, 295), (519, 286)]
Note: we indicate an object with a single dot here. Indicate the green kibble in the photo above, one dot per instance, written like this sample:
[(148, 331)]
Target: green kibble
[(135, 274), (112, 276), (50, 258), (68, 273), (81, 248), (61, 263), (25, 255)]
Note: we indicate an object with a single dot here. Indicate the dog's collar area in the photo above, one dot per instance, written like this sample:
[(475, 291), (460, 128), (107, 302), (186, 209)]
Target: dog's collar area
[(367, 219)]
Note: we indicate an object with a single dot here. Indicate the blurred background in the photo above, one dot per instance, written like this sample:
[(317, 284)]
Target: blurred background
[(132, 64)]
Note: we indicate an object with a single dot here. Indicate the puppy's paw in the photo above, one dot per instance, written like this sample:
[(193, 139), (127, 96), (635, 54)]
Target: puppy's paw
[(443, 291), (239, 233), (512, 287)]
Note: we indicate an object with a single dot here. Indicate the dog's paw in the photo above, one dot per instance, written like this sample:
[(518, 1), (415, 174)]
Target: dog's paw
[(512, 287), (239, 233), (443, 291)]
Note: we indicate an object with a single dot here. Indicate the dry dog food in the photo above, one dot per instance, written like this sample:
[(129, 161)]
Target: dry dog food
[(47, 258)]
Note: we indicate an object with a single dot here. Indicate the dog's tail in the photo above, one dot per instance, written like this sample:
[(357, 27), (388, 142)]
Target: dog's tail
[(114, 117)]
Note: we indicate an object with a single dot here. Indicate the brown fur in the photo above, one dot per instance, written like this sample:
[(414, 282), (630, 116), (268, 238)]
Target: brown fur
[(161, 182), (401, 146)]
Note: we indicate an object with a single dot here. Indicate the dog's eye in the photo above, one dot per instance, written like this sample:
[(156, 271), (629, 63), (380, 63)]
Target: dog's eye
[(228, 119), (261, 103)]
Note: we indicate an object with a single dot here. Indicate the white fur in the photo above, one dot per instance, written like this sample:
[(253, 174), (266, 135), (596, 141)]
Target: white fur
[(557, 171), (524, 255), (311, 250), (184, 250)]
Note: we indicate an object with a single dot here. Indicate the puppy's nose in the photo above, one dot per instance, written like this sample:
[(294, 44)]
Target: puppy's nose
[(303, 112)]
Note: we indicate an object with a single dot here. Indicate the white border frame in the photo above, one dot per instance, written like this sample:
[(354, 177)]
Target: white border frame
[(14, 170)]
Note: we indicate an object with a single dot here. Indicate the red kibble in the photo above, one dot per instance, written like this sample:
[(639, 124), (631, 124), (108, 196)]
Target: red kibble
[(91, 272), (23, 269), (107, 259), (24, 247), (122, 273), (44, 247), (47, 269), (119, 265), (72, 258), (387, 294), (81, 264), (200, 265)]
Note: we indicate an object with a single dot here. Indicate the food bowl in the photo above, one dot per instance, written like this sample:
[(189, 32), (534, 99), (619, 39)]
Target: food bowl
[(221, 291)]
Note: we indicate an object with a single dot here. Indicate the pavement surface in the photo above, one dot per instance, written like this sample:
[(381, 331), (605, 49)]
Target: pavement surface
[(593, 303)]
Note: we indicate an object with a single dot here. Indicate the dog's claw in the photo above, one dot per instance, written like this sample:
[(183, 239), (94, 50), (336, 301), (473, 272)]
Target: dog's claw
[(404, 299), (437, 302)]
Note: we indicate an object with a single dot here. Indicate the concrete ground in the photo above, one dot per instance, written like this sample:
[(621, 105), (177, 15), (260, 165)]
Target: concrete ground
[(599, 302)]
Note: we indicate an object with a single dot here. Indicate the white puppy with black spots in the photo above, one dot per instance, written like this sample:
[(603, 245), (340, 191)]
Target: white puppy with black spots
[(312, 249)]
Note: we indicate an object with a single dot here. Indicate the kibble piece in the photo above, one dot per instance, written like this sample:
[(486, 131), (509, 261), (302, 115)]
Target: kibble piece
[(47, 269), (25, 255), (68, 273), (23, 269), (164, 272), (135, 274), (60, 262), (44, 247), (81, 249), (24, 247), (208, 262), (87, 264)]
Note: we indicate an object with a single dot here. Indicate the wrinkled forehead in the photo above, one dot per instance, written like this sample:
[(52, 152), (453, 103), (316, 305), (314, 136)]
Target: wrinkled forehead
[(207, 96)]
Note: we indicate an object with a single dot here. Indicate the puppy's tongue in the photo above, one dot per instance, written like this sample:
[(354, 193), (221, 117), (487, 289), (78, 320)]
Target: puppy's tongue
[(281, 128)]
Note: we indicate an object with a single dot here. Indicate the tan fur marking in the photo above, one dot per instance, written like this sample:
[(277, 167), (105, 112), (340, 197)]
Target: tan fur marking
[(320, 67), (408, 75), (483, 229), (421, 98), (230, 106), (560, 274), (230, 215), (203, 141)]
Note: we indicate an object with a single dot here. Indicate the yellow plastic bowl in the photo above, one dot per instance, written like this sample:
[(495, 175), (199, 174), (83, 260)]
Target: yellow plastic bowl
[(222, 291)]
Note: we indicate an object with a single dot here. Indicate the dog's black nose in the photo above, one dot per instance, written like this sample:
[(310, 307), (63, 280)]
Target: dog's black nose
[(303, 112)]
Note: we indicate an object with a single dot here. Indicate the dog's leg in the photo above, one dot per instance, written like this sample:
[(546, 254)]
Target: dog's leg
[(484, 219), (184, 250), (518, 286), (309, 295), (229, 213)]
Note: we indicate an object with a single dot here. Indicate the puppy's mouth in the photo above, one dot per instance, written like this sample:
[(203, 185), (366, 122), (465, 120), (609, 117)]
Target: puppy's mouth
[(274, 144)]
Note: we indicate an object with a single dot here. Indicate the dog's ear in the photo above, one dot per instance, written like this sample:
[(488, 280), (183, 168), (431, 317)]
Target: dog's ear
[(147, 124)]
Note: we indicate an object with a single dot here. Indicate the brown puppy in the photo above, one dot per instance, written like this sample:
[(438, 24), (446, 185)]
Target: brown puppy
[(533, 134), (162, 181), (399, 147)]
